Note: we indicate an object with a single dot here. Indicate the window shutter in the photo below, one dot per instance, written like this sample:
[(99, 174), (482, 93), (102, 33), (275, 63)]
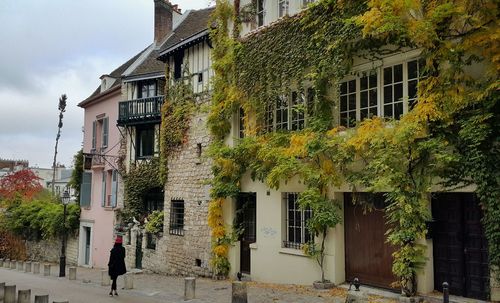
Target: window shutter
[(103, 196), (105, 131), (114, 188), (85, 190), (94, 138)]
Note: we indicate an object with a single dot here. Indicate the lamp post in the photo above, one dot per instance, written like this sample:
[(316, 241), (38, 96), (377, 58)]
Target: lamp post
[(62, 260)]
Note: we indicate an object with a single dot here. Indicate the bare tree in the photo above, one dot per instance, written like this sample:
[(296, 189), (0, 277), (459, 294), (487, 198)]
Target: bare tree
[(62, 109)]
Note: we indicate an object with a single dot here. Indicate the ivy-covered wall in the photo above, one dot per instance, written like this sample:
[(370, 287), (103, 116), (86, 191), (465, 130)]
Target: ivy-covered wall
[(451, 133)]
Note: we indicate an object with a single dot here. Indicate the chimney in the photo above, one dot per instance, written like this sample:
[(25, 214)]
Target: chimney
[(163, 19)]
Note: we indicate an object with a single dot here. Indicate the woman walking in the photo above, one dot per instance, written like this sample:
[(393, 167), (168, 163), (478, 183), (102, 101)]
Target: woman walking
[(116, 265)]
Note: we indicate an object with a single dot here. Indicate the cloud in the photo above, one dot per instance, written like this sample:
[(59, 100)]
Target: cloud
[(51, 47)]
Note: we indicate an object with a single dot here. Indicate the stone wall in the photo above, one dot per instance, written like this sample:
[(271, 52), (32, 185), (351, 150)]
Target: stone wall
[(50, 250), (188, 172)]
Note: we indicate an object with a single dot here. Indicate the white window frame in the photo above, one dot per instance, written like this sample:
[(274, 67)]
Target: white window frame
[(305, 236), (286, 8), (271, 111), (261, 13), (379, 70)]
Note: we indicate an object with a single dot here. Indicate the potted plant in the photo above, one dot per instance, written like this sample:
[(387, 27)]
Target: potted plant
[(325, 215)]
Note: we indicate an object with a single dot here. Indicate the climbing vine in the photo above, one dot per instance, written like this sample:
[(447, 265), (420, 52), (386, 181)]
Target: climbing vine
[(451, 133), (176, 111), (138, 181)]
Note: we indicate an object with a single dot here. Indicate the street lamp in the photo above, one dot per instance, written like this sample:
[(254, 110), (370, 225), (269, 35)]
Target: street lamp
[(62, 260)]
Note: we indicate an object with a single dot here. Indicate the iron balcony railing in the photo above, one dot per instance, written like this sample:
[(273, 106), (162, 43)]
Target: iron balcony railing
[(140, 110)]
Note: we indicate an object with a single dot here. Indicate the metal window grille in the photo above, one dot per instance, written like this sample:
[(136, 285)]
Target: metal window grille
[(297, 233), (177, 218)]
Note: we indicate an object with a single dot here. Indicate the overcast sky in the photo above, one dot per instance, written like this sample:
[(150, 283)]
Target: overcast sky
[(51, 47)]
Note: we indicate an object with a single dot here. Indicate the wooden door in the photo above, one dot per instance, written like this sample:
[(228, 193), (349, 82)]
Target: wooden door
[(460, 247), (246, 218), (368, 256)]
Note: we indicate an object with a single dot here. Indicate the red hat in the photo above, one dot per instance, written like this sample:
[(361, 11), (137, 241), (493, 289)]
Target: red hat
[(119, 240)]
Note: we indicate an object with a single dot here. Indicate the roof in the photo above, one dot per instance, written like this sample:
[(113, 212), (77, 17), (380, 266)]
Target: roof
[(194, 23), (117, 73), (191, 27)]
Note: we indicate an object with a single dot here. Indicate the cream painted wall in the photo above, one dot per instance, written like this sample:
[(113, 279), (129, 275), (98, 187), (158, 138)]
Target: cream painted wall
[(270, 262)]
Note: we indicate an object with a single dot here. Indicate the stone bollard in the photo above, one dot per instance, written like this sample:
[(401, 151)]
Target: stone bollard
[(105, 279), (239, 294), (36, 268), (20, 265), (27, 266), (24, 296), (2, 291), (46, 269), (10, 294), (189, 288), (42, 299), (13, 264), (129, 281), (72, 273)]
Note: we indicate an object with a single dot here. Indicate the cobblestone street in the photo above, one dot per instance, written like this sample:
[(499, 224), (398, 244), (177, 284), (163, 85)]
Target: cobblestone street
[(158, 288)]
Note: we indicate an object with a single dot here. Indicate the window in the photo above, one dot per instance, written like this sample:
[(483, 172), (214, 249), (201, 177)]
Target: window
[(147, 89), (86, 189), (108, 197), (178, 61), (307, 2), (100, 132), (282, 106), (105, 132), (260, 12), (297, 233), (177, 218), (283, 8), (241, 123), (388, 91), (348, 103), (290, 112), (153, 200), (150, 241), (298, 117), (145, 141)]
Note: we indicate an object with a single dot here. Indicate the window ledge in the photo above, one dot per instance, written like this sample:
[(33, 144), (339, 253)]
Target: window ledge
[(253, 245), (292, 251), (108, 208)]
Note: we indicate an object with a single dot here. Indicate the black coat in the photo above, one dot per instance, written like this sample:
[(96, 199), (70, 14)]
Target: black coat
[(116, 265)]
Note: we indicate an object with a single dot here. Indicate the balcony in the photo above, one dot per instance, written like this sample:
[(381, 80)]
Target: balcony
[(144, 110)]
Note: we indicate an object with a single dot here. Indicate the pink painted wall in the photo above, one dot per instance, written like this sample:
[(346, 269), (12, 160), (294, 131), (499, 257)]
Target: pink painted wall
[(102, 217)]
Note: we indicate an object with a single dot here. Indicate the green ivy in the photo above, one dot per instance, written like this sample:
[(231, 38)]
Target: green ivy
[(140, 179), (154, 223)]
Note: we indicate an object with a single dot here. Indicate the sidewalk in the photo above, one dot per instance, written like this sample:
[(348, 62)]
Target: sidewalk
[(152, 288)]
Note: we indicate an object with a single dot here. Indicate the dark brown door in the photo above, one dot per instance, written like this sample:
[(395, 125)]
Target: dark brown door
[(460, 247), (368, 256), (246, 218)]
